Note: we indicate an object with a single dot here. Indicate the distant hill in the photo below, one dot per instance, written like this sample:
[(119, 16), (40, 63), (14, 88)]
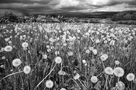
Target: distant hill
[(82, 15)]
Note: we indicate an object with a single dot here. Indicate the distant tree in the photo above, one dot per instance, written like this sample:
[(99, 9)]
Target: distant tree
[(8, 17), (134, 16), (127, 17), (118, 16)]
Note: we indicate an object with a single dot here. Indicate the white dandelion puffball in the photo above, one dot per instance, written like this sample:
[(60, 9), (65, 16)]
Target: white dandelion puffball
[(61, 72), (70, 53), (24, 44), (84, 61), (87, 51), (94, 51), (16, 62), (27, 69), (57, 52), (58, 60), (63, 89), (117, 62), (104, 57), (120, 85), (77, 76), (94, 79), (118, 71), (8, 48), (91, 48), (130, 77), (44, 56), (108, 70), (49, 84)]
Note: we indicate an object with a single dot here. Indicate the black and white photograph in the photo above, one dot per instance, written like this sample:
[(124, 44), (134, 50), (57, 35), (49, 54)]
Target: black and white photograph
[(67, 44)]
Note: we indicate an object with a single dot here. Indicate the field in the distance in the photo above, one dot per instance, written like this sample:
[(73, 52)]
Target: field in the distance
[(67, 56)]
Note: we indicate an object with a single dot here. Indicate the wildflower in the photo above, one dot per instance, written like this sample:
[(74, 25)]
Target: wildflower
[(118, 71), (87, 51), (2, 66), (130, 77), (117, 62), (94, 79), (64, 44), (27, 69), (8, 48), (24, 48), (44, 56), (61, 72), (7, 39), (108, 70), (120, 85), (77, 76), (49, 84), (91, 48), (97, 41), (58, 60), (105, 41), (16, 62), (24, 44), (2, 49), (84, 61), (104, 57), (48, 50), (63, 89), (70, 53), (3, 57), (94, 51), (112, 42), (57, 52)]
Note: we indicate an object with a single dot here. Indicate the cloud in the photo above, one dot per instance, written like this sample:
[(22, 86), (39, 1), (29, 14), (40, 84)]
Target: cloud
[(23, 6), (118, 7), (67, 3), (111, 8), (49, 6), (25, 1), (107, 2)]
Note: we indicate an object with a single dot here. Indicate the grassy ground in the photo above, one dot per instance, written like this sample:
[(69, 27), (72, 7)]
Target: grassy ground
[(80, 46)]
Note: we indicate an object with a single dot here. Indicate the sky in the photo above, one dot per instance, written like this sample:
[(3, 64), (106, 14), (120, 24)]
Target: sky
[(55, 6)]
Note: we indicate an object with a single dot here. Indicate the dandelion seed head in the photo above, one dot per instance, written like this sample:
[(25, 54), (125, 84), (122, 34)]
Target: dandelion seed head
[(120, 85), (87, 51), (77, 76), (63, 89), (49, 84), (104, 57), (16, 62), (58, 60), (130, 77), (8, 48), (44, 56), (27, 69), (118, 71), (108, 70), (61, 72), (24, 44), (94, 79), (94, 51), (117, 62)]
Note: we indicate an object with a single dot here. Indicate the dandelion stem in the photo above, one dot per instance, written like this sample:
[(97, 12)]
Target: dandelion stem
[(11, 75), (82, 83), (45, 77)]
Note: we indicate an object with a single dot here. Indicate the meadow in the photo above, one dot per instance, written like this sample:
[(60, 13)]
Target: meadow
[(67, 56)]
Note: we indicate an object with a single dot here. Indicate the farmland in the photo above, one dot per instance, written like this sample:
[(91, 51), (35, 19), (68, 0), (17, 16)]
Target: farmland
[(67, 56)]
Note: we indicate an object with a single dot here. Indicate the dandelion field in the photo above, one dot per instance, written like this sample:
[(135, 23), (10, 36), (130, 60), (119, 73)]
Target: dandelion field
[(67, 56)]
